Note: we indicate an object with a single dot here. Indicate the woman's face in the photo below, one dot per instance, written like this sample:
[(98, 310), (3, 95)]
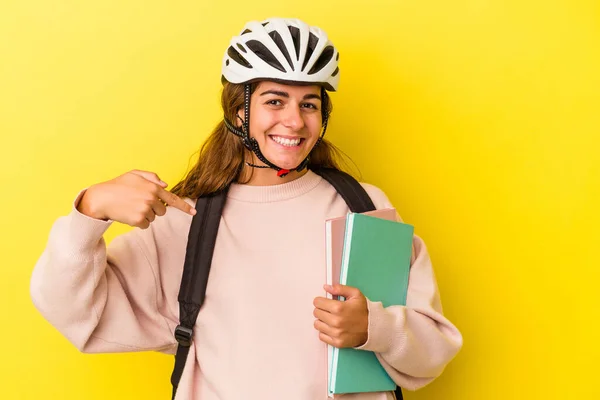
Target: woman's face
[(285, 121)]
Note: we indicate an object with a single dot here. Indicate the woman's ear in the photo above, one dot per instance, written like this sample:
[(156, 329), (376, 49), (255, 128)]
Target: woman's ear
[(240, 117)]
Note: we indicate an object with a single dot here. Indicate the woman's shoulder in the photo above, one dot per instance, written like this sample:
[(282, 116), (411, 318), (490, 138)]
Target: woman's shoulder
[(377, 195)]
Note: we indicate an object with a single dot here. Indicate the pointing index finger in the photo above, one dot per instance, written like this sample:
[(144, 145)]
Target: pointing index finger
[(175, 201)]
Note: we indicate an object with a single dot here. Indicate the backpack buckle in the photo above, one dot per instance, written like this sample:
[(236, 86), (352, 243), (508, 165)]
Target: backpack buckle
[(183, 335)]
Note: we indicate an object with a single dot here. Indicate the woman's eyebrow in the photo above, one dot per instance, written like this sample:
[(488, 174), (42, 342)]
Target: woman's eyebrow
[(276, 93), (286, 95), (311, 96)]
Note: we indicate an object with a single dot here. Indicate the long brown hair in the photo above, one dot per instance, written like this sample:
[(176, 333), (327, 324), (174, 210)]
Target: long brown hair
[(221, 157)]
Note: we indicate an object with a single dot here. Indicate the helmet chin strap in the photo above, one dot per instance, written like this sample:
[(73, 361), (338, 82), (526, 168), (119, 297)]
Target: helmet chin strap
[(251, 144)]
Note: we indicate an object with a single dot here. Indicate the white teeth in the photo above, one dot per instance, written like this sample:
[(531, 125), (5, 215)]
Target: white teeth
[(286, 142)]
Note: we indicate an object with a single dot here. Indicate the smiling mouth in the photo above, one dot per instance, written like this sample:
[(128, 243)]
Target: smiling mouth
[(287, 142)]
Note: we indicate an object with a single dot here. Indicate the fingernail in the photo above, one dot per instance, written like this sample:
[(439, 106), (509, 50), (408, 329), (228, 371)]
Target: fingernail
[(193, 211), (165, 184)]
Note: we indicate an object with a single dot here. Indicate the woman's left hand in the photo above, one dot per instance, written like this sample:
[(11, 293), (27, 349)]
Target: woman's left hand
[(342, 323)]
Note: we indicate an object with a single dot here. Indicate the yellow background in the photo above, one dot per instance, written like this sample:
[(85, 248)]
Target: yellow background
[(480, 119)]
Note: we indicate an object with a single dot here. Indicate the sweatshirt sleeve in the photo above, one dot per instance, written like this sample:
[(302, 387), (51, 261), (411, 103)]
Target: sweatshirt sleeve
[(102, 300), (414, 343)]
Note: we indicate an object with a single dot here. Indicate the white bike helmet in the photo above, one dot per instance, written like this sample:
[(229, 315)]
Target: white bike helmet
[(282, 50), (286, 50)]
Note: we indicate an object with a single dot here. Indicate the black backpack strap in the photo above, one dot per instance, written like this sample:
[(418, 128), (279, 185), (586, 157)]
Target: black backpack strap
[(198, 257), (352, 192), (398, 393), (357, 199)]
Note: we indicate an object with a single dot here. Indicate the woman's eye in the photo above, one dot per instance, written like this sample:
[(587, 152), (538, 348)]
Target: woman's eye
[(274, 102), (310, 105)]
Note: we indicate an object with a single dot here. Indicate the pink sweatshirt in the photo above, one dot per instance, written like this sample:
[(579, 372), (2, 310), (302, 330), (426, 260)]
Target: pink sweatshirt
[(254, 338)]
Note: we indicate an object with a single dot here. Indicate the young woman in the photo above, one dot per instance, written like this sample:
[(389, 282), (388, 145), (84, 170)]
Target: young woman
[(263, 328)]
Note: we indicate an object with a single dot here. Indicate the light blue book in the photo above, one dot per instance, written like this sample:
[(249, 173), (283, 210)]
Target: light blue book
[(376, 260)]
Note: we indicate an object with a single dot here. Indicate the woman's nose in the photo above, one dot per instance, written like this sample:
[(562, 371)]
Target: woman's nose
[(292, 118)]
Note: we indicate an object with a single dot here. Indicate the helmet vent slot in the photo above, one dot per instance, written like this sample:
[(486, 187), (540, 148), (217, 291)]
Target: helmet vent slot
[(264, 54)]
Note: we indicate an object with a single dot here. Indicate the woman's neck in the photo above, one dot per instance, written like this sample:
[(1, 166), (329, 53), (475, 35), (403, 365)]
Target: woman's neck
[(267, 176)]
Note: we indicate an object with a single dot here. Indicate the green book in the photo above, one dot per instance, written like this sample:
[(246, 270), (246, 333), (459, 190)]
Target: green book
[(376, 260)]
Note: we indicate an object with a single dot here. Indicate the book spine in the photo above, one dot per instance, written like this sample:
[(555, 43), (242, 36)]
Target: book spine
[(346, 251), (329, 254)]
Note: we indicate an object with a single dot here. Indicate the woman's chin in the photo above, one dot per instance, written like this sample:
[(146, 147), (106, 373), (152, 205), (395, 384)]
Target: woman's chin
[(287, 162)]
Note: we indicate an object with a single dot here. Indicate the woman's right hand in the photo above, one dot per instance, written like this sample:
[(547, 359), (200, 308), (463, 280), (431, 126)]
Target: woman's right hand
[(134, 198)]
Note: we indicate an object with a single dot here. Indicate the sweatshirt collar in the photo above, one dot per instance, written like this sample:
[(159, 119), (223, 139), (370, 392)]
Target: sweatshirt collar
[(266, 194)]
